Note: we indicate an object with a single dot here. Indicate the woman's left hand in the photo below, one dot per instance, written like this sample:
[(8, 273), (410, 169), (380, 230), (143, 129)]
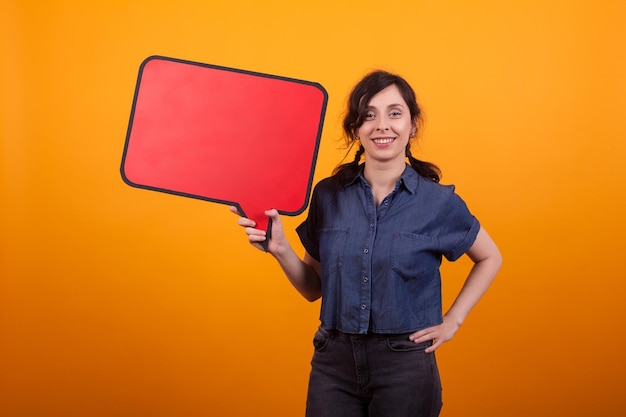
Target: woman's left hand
[(438, 334)]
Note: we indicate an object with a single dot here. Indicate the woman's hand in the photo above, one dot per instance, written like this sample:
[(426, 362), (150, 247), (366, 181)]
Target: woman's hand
[(256, 237), (438, 334)]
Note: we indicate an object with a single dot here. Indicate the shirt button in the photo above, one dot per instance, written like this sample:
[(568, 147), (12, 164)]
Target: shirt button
[(386, 202), (371, 225), (365, 279), (366, 250), (363, 306)]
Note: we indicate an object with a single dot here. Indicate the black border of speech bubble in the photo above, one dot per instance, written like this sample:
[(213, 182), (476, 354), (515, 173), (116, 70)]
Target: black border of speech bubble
[(222, 68)]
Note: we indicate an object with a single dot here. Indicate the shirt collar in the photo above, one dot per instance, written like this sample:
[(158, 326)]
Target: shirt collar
[(408, 180)]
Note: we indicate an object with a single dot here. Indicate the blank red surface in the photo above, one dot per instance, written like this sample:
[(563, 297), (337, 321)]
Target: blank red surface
[(224, 135)]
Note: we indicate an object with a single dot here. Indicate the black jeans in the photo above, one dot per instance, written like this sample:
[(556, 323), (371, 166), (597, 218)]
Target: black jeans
[(372, 375)]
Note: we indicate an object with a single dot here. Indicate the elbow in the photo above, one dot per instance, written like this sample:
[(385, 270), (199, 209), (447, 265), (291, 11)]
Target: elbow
[(498, 259), (496, 262), (312, 297)]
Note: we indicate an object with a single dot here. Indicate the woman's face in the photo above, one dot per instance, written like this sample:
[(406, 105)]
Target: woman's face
[(387, 127)]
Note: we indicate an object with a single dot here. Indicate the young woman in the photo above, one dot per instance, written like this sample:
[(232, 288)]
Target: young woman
[(375, 236)]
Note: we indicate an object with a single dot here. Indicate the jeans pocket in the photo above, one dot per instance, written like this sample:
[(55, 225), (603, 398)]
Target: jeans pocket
[(399, 345), (320, 340)]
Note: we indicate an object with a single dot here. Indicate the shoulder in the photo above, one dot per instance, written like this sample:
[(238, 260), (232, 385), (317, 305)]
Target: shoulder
[(331, 196), (327, 186), (326, 183), (430, 187), (423, 186), (439, 197)]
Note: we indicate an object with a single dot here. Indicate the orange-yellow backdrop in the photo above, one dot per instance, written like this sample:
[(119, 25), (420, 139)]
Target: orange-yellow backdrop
[(116, 301)]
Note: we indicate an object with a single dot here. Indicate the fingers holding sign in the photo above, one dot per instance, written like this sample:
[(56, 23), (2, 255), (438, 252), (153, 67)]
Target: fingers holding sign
[(258, 237)]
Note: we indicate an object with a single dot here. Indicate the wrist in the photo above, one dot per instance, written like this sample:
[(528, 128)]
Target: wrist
[(455, 318), (280, 250)]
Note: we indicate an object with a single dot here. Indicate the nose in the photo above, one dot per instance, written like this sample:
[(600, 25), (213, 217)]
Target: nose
[(382, 124)]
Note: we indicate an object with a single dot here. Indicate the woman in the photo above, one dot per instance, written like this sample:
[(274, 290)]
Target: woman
[(374, 237)]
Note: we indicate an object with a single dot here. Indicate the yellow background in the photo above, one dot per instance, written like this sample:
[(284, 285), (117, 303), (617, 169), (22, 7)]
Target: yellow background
[(116, 301)]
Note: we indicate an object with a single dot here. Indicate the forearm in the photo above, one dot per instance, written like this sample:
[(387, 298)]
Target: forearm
[(478, 281), (302, 275)]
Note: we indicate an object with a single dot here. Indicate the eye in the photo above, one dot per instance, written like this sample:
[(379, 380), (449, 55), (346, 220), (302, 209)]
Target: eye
[(369, 115), (395, 113)]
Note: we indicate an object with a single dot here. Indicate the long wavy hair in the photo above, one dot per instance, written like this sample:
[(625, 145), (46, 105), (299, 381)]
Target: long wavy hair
[(372, 84)]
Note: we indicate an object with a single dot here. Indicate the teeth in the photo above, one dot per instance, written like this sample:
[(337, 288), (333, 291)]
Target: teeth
[(383, 141)]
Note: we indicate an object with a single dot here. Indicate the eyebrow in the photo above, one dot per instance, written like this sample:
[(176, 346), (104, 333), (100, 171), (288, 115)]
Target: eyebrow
[(389, 106)]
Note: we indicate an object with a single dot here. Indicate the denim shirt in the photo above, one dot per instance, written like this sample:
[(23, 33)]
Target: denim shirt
[(380, 266)]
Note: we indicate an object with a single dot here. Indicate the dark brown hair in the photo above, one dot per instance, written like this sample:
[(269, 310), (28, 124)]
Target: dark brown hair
[(372, 84)]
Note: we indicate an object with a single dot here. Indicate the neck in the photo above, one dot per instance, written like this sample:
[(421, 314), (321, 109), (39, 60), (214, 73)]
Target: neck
[(382, 178), (383, 174)]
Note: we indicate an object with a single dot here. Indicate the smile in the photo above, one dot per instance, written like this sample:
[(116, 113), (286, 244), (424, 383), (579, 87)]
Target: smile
[(383, 141)]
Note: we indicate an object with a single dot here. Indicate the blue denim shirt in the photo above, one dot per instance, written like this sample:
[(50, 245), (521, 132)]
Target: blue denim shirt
[(380, 266)]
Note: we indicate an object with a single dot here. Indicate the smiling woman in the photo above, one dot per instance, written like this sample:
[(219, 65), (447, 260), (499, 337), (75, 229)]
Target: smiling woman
[(375, 237)]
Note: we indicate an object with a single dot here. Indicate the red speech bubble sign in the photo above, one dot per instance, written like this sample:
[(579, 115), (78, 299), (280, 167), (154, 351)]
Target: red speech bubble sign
[(224, 135)]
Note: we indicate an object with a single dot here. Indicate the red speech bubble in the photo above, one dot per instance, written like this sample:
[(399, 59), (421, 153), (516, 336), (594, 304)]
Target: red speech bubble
[(224, 135)]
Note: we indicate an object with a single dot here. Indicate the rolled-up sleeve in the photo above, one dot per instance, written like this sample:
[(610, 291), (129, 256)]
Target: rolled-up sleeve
[(307, 229), (459, 227)]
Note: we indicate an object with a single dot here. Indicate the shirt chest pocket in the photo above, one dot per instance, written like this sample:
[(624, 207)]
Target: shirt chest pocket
[(414, 256), (332, 247)]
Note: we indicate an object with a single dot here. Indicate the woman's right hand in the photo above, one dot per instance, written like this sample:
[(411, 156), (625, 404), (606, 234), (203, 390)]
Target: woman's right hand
[(256, 237)]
